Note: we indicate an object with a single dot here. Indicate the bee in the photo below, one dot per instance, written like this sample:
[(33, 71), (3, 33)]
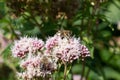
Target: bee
[(64, 33)]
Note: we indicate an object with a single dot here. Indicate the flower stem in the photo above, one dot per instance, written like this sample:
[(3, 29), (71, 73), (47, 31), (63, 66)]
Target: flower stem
[(88, 72), (83, 70), (65, 71)]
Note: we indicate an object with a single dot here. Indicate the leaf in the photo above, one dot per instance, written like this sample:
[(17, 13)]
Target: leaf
[(77, 23), (6, 52), (114, 12), (10, 65), (111, 74), (92, 52), (94, 65), (6, 55), (76, 69), (32, 32), (105, 33), (2, 9)]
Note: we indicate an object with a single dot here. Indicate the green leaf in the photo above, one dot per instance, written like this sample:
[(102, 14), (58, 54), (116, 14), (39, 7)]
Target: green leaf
[(6, 52), (76, 68), (111, 74), (92, 52), (77, 23), (105, 33), (33, 32), (2, 9), (113, 13)]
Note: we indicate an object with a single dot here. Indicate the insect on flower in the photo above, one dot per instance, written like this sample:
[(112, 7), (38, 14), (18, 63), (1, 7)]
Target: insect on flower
[(64, 33)]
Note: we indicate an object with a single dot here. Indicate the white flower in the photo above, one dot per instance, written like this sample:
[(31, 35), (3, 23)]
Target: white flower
[(84, 51), (51, 42), (39, 60), (38, 66), (37, 44), (68, 49), (26, 45)]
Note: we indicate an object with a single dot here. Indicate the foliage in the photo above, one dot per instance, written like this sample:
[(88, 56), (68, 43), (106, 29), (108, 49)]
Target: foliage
[(96, 22)]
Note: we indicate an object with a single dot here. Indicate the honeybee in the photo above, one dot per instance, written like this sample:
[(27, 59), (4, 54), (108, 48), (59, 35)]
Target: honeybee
[(64, 33)]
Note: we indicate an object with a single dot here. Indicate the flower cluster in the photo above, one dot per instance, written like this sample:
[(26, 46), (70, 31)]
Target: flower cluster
[(39, 59), (84, 51), (39, 66), (26, 45), (33, 61), (66, 49)]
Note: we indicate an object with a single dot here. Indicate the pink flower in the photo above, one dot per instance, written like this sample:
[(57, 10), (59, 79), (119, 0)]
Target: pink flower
[(68, 49), (26, 45), (51, 42), (37, 44), (37, 66), (21, 47), (84, 51), (39, 60), (33, 62)]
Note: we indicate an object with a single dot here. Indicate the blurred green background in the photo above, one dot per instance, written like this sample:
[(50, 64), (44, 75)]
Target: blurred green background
[(96, 22)]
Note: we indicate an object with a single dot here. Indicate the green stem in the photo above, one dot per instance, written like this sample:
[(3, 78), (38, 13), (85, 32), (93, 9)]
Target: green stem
[(65, 71), (83, 70), (88, 72)]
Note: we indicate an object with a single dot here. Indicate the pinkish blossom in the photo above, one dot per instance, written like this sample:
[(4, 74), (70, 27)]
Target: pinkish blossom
[(51, 42), (39, 60), (67, 49), (37, 44), (26, 45), (34, 62), (37, 66), (84, 51)]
